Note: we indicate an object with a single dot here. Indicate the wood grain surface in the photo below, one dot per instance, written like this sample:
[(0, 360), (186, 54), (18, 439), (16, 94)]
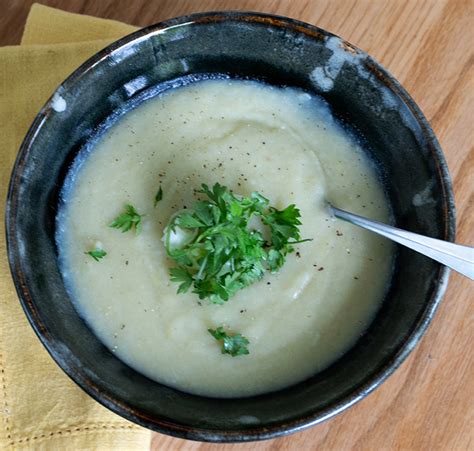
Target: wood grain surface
[(427, 45)]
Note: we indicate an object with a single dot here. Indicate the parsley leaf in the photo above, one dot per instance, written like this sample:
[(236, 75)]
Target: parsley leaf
[(188, 221), (129, 219), (96, 254), (234, 345), (225, 253), (158, 196), (181, 275)]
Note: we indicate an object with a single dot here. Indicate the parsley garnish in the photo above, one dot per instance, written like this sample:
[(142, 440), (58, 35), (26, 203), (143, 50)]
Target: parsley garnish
[(129, 219), (234, 345), (96, 254), (158, 196), (225, 254)]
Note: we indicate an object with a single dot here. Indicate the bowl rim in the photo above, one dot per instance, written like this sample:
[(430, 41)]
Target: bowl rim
[(281, 428)]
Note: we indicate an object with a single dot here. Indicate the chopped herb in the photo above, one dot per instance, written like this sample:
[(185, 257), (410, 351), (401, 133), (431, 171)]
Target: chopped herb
[(234, 345), (129, 219), (96, 254), (158, 196), (223, 254), (182, 276)]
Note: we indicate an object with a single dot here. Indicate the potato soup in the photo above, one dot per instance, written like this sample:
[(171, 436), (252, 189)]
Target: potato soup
[(250, 137)]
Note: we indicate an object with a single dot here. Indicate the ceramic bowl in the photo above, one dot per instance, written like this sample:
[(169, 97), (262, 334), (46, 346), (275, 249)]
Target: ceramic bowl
[(279, 51)]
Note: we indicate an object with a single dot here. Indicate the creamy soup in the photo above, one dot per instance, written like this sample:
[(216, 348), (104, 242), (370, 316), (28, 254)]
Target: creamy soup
[(281, 142)]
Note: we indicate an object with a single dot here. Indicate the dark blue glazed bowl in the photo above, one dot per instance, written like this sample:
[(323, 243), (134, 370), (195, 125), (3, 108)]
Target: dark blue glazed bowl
[(280, 51)]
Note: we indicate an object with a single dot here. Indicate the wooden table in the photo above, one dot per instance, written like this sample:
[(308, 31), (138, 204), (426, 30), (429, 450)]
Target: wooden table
[(427, 45)]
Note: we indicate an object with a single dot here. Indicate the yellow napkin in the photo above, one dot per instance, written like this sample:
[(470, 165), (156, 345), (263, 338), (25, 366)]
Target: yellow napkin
[(41, 407)]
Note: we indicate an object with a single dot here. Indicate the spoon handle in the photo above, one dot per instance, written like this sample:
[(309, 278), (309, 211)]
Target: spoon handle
[(455, 256)]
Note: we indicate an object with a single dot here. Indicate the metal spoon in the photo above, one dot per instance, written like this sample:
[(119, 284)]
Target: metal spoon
[(455, 256)]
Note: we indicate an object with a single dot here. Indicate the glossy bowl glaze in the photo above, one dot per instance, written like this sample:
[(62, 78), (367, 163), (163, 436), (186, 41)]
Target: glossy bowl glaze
[(280, 51)]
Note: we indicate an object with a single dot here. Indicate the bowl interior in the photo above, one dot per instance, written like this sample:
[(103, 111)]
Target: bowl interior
[(282, 52)]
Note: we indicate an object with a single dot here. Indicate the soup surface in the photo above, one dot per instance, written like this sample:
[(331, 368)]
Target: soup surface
[(281, 142)]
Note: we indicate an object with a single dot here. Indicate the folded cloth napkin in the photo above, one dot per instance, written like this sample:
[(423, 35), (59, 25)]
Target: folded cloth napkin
[(41, 407)]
